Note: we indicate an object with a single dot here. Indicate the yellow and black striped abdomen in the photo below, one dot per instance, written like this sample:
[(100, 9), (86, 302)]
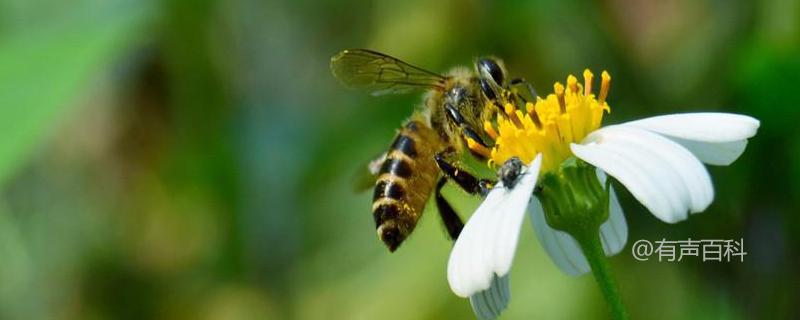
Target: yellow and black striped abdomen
[(405, 181)]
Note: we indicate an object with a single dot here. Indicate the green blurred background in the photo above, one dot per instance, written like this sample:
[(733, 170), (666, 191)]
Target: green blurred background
[(194, 159)]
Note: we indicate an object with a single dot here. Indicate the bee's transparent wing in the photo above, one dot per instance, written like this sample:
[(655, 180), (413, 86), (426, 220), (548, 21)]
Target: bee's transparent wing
[(381, 74), (366, 174)]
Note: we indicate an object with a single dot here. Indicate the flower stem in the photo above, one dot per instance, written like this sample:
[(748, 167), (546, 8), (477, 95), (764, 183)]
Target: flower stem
[(593, 250), (574, 201)]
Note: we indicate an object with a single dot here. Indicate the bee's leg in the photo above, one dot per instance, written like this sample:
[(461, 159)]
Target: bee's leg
[(528, 86), (531, 91), (458, 119), (451, 220), (490, 91), (464, 179)]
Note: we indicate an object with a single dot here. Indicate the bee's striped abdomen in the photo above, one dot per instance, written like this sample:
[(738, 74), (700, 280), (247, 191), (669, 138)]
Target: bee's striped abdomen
[(405, 181)]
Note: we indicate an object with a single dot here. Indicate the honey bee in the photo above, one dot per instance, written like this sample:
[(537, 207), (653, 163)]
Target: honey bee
[(452, 115)]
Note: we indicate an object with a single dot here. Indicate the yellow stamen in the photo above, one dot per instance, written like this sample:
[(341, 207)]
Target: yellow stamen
[(547, 126), (487, 126), (478, 148), (588, 77), (511, 111), (509, 108), (531, 108), (605, 84), (572, 83), (558, 88)]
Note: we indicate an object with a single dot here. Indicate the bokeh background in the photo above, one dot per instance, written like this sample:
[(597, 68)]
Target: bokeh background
[(194, 159)]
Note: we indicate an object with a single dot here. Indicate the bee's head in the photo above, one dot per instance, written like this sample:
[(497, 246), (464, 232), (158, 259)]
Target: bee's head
[(491, 75)]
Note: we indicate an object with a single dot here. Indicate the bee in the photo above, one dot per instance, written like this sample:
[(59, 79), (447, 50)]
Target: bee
[(452, 115)]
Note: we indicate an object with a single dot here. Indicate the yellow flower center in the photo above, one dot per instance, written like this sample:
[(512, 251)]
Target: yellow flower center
[(547, 126)]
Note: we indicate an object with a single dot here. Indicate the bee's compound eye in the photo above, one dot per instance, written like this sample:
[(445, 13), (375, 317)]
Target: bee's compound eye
[(487, 90), (490, 67)]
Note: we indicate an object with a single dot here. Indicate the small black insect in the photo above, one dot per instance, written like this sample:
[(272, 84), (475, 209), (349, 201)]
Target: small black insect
[(510, 171)]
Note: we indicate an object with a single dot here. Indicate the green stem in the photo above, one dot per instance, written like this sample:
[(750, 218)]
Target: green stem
[(593, 250), (575, 202)]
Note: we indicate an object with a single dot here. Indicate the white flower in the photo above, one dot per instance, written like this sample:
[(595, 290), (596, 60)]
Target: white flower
[(659, 160)]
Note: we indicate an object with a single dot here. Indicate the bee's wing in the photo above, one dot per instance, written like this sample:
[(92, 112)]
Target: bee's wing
[(382, 74), (364, 178)]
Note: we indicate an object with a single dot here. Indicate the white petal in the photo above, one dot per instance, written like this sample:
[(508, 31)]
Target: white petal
[(714, 153), (665, 177), (701, 126), (614, 232), (715, 138), (486, 245), (489, 303), (564, 250)]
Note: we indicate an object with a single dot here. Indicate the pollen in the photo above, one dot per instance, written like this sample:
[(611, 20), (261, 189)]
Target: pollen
[(549, 125), (487, 126), (478, 148)]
